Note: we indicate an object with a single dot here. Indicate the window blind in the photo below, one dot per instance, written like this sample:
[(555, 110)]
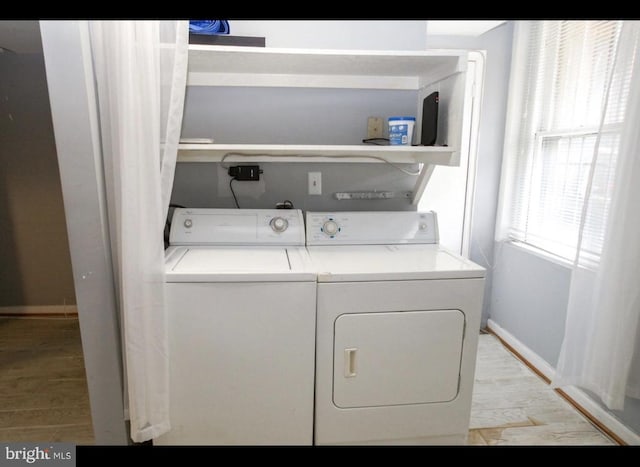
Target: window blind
[(565, 68)]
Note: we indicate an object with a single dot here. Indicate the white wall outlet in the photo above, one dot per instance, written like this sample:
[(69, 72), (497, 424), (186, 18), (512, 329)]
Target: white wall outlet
[(315, 183), (374, 127)]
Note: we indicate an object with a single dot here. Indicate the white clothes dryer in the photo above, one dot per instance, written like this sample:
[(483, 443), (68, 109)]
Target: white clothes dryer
[(398, 319), (241, 297)]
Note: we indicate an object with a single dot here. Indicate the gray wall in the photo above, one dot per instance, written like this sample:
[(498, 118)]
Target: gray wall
[(290, 116), (207, 185), (497, 44), (35, 269), (529, 300)]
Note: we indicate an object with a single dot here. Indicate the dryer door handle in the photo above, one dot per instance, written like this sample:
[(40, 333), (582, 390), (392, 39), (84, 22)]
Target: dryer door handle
[(350, 369)]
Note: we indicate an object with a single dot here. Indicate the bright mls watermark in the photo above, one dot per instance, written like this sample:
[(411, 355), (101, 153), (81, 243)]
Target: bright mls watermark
[(49, 454)]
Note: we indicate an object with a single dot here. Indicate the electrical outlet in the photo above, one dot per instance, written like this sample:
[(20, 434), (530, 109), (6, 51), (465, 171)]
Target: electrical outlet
[(315, 183), (374, 127)]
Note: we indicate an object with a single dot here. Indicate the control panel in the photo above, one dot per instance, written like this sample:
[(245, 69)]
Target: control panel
[(371, 228), (198, 226)]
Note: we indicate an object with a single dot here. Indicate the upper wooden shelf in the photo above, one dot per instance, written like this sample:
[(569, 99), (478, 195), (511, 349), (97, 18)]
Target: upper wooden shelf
[(215, 65)]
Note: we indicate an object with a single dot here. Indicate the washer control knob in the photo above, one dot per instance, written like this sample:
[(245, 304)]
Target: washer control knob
[(330, 228), (278, 224), (423, 226), (188, 223)]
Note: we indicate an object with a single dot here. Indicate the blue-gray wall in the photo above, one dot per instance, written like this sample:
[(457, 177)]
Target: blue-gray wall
[(529, 298), (204, 185), (290, 116)]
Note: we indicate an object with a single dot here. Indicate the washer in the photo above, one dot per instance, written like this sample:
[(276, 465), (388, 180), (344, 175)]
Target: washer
[(398, 319), (241, 297)]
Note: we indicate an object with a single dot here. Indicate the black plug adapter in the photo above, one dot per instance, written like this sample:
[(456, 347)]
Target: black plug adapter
[(245, 172)]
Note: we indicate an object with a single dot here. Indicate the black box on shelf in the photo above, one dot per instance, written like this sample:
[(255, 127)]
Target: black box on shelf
[(224, 39)]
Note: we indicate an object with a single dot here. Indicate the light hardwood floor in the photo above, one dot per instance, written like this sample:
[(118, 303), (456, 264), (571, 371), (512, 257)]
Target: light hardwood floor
[(43, 387), (43, 392), (513, 406)]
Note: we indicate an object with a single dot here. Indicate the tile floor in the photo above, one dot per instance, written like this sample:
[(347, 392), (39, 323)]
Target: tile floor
[(43, 392)]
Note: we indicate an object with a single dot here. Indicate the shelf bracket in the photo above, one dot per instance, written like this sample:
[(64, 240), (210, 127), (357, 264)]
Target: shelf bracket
[(421, 183)]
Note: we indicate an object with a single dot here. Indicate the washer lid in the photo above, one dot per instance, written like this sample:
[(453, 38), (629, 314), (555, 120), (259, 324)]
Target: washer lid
[(232, 264), (390, 262)]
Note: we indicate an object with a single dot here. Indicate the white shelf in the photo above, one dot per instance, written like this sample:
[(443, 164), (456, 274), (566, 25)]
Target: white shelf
[(317, 153), (422, 71), (211, 65)]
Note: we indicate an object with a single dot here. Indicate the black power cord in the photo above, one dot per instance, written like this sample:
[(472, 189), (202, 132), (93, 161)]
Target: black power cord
[(376, 141), (286, 204), (233, 192), (243, 173)]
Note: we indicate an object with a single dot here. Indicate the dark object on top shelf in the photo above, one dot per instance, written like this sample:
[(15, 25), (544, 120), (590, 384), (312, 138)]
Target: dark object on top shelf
[(216, 32), (376, 141), (243, 41), (430, 119), (209, 26)]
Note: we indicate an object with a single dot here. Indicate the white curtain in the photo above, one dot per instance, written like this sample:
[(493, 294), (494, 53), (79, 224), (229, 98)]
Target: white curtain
[(140, 73), (600, 347)]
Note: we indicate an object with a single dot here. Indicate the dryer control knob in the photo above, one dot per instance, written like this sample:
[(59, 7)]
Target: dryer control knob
[(423, 226), (278, 224), (188, 223), (330, 228)]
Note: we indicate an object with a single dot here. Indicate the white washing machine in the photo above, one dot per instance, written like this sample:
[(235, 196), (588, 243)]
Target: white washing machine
[(398, 319), (241, 297)]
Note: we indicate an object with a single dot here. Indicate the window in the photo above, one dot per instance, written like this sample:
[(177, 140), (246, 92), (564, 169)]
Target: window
[(560, 76)]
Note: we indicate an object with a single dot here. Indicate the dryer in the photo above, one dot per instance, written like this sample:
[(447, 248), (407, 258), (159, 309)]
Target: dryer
[(398, 319), (241, 297)]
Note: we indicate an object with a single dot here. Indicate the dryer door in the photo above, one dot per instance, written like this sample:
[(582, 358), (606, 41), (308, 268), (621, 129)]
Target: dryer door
[(398, 358)]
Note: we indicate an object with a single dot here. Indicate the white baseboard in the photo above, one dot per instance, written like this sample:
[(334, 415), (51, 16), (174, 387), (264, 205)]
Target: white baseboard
[(599, 413), (579, 396), (39, 310), (536, 360)]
